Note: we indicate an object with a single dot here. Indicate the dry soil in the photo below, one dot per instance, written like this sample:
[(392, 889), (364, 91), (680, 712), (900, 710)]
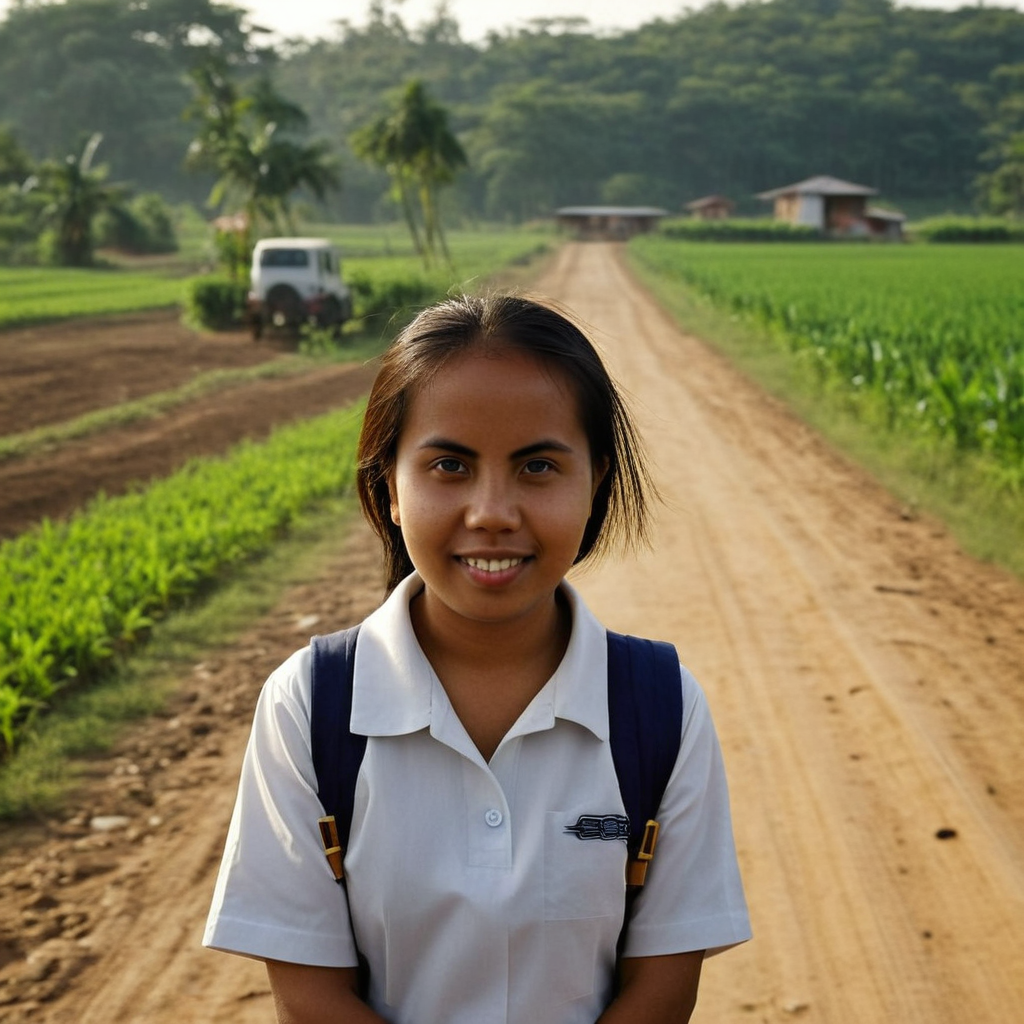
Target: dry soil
[(55, 372)]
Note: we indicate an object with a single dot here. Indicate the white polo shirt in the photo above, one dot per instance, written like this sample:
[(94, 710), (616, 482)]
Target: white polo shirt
[(469, 897)]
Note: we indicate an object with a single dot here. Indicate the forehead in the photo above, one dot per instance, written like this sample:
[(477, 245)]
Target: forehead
[(492, 390)]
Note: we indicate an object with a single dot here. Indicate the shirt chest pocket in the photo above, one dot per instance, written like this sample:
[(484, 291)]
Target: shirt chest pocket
[(584, 865)]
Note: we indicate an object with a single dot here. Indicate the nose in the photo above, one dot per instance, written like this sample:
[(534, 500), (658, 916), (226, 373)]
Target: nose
[(492, 506)]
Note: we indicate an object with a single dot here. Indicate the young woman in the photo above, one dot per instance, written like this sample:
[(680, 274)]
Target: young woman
[(495, 454)]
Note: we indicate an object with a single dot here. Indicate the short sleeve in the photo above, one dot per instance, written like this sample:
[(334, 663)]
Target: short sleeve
[(275, 896), (693, 898)]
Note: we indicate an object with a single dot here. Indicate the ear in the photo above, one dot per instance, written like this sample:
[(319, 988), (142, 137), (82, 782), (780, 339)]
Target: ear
[(396, 517)]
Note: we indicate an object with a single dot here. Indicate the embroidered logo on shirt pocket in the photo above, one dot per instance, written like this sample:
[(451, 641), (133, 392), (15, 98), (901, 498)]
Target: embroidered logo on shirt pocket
[(608, 827), (581, 879)]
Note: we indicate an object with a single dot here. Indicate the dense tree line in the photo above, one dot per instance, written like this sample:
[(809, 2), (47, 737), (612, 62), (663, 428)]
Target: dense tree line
[(68, 70), (732, 99)]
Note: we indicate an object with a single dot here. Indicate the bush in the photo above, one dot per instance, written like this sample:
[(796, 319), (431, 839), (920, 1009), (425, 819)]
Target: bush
[(967, 229), (144, 226), (21, 215), (48, 248), (17, 240), (215, 303), (739, 230), (389, 297)]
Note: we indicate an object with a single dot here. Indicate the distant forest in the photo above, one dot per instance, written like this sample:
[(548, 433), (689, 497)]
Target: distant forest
[(726, 99)]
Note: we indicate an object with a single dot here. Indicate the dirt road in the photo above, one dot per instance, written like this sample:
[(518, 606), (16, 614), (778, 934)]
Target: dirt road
[(866, 678)]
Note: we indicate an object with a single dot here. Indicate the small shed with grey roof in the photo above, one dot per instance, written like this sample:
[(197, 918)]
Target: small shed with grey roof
[(885, 224), (608, 223), (831, 205), (711, 208)]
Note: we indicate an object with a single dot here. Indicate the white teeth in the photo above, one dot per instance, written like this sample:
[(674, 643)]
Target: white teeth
[(492, 564)]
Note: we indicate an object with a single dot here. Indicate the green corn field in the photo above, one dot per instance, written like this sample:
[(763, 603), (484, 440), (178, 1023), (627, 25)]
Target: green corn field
[(931, 336)]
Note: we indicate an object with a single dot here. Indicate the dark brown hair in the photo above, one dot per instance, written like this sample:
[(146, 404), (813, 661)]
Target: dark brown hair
[(620, 509)]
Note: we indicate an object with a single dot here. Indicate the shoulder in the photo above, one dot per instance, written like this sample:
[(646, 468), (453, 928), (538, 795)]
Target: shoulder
[(284, 707), (289, 683), (695, 702)]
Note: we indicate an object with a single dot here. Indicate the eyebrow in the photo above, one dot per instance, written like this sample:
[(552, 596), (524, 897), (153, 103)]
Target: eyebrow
[(545, 445)]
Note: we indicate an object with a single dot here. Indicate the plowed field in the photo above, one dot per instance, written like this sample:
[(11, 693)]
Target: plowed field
[(53, 373)]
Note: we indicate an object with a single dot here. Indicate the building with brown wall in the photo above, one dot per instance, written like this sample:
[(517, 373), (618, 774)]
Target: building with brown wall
[(608, 223), (711, 208), (834, 207)]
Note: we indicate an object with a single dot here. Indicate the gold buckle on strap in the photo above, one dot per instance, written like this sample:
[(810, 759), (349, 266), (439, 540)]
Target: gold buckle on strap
[(332, 845), (636, 870)]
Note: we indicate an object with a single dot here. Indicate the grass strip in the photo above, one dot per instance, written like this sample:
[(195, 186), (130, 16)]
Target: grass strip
[(961, 489), (76, 594)]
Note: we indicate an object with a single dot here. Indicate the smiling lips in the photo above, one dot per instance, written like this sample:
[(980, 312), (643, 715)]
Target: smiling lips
[(492, 564)]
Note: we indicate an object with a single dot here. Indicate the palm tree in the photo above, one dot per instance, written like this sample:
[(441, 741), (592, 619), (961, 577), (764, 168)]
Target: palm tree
[(242, 139), (385, 144), (438, 159), (419, 151), (77, 193)]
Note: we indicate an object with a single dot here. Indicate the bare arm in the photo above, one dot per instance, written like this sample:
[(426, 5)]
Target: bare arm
[(655, 989), (317, 995)]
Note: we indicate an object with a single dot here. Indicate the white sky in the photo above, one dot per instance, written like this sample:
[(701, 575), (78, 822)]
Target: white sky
[(312, 18), (476, 17)]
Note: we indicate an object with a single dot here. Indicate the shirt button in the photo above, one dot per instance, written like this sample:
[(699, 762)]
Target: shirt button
[(494, 817)]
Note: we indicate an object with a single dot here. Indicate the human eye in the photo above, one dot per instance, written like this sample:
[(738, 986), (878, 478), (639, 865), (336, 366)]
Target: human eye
[(448, 464), (536, 467)]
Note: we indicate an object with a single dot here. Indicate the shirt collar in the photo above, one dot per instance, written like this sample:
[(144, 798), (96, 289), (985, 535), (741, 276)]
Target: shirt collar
[(393, 688)]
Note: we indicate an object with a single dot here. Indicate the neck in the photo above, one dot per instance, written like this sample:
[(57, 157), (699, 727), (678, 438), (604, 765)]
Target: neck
[(539, 636)]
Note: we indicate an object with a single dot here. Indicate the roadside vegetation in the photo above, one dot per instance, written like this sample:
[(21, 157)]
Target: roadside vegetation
[(75, 594), (388, 287), (909, 357), (967, 229)]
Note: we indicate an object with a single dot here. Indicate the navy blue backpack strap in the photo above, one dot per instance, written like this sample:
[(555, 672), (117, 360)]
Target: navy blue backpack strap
[(645, 717), (337, 751)]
